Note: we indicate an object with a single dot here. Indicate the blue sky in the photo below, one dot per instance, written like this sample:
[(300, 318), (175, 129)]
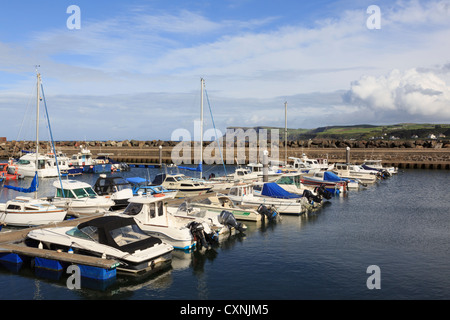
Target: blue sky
[(133, 69)]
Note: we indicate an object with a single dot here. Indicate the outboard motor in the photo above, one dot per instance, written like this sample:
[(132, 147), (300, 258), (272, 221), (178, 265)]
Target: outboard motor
[(203, 238), (228, 219), (323, 192), (311, 196), (269, 213)]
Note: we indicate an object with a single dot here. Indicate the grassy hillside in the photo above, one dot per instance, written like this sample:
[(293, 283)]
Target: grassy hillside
[(366, 132)]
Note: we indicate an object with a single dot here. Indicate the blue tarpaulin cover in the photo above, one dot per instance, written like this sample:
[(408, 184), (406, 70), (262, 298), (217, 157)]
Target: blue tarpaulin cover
[(33, 187), (275, 191), (199, 168), (330, 176), (136, 180)]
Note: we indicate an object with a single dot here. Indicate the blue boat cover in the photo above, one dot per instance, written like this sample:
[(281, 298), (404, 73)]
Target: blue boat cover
[(136, 180), (33, 187), (275, 191), (330, 176), (199, 168)]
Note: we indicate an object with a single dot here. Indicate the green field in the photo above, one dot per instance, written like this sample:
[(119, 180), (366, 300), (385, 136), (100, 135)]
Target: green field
[(366, 132)]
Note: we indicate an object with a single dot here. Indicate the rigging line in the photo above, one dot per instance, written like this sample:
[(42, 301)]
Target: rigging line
[(24, 116), (215, 130), (51, 136)]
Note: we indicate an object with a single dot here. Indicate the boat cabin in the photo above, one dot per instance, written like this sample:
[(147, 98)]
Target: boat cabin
[(26, 204), (121, 233), (148, 209), (73, 189), (175, 180), (241, 189), (290, 179), (109, 185)]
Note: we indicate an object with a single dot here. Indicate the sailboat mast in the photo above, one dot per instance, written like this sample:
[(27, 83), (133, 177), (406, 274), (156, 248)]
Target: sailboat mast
[(37, 124), (285, 133), (202, 82)]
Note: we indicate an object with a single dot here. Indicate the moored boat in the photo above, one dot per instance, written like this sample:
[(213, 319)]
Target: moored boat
[(8, 173), (348, 171), (219, 202), (151, 214), (243, 194), (27, 211), (328, 179), (377, 165), (109, 237), (117, 188), (185, 186), (79, 197)]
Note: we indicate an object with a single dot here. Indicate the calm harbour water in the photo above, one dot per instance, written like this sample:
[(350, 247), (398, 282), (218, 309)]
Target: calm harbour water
[(400, 225)]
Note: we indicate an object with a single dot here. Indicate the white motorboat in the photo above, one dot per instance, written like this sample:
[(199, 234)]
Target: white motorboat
[(291, 182), (28, 212), (119, 189), (79, 197), (243, 194), (377, 165), (304, 164), (222, 222), (186, 186), (152, 216), (345, 170), (258, 168), (82, 158), (329, 180), (220, 202), (141, 187), (46, 165), (111, 237), (243, 175)]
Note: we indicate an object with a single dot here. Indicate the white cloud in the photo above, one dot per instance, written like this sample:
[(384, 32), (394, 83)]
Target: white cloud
[(412, 92)]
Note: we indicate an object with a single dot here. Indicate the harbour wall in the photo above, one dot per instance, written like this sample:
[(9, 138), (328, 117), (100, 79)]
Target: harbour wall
[(414, 154)]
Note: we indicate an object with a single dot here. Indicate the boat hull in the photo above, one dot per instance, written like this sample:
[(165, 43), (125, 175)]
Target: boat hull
[(180, 241), (289, 207), (182, 193), (24, 219)]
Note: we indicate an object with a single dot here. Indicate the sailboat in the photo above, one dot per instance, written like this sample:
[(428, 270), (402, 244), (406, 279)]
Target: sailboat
[(27, 211)]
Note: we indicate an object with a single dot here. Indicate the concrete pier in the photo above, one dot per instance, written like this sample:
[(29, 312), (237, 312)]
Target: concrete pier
[(418, 154)]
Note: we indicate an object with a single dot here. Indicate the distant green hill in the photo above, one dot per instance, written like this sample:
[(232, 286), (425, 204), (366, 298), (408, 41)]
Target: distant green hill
[(366, 132)]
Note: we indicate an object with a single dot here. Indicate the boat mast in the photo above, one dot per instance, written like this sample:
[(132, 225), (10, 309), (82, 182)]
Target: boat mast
[(285, 134), (37, 123), (202, 82)]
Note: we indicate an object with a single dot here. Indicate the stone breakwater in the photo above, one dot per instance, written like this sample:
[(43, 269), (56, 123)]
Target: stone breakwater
[(404, 154)]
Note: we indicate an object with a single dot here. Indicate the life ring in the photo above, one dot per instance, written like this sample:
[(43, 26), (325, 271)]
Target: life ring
[(158, 195)]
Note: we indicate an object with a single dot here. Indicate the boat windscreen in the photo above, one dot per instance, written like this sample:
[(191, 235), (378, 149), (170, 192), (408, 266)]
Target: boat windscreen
[(90, 192), (133, 209)]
